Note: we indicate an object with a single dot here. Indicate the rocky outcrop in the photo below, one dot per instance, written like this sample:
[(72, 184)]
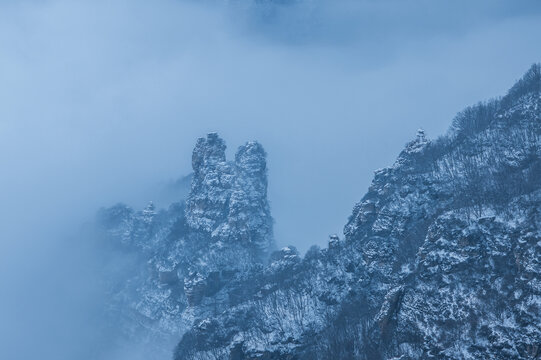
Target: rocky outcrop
[(206, 206), (228, 200), (163, 266)]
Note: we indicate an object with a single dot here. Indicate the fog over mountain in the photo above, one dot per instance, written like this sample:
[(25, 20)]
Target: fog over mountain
[(103, 101)]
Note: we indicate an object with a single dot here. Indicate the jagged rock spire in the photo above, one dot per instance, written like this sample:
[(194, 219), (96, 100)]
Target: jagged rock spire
[(228, 200), (211, 184), (208, 152), (421, 136), (249, 211)]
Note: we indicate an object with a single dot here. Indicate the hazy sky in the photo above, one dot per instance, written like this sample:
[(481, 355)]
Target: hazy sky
[(102, 101)]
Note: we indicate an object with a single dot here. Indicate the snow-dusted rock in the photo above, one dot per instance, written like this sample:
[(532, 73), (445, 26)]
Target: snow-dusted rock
[(162, 267)]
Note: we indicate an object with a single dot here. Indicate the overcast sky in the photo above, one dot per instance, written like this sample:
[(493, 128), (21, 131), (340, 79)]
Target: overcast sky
[(102, 101)]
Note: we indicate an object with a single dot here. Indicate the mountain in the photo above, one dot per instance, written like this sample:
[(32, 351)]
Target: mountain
[(441, 259)]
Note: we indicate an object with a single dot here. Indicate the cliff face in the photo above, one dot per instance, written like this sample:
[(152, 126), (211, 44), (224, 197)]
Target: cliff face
[(441, 258)]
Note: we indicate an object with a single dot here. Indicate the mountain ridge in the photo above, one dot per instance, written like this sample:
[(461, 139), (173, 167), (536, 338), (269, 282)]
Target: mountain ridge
[(371, 279), (441, 256)]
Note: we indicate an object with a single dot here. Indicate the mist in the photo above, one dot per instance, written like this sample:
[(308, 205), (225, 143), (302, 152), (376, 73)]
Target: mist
[(102, 102)]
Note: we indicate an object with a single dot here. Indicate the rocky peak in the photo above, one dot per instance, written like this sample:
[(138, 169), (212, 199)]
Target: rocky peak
[(211, 184), (415, 146), (421, 137), (251, 159), (228, 200), (249, 211), (208, 152)]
